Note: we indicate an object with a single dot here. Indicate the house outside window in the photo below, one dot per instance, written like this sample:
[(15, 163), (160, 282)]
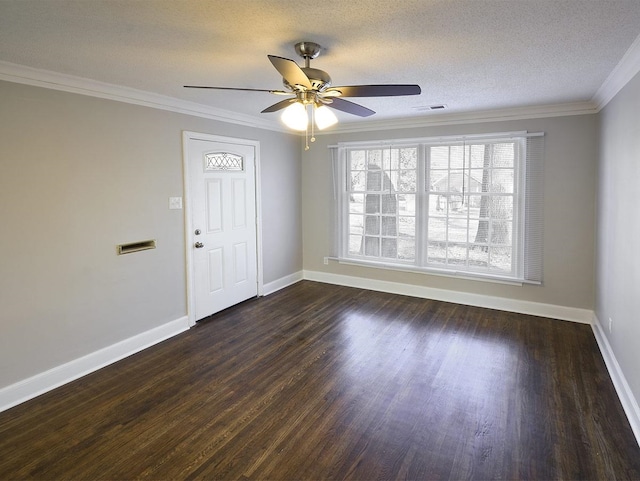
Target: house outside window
[(453, 206)]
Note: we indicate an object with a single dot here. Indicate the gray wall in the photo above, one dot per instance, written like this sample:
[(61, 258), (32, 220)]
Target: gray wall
[(80, 175), (618, 227), (569, 201)]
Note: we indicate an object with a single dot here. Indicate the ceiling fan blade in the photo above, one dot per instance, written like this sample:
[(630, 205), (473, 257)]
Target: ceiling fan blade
[(278, 106), (277, 92), (350, 107), (290, 71), (377, 90)]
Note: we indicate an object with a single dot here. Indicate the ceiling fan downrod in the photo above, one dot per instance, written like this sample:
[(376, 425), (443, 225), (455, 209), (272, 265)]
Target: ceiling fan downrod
[(308, 50)]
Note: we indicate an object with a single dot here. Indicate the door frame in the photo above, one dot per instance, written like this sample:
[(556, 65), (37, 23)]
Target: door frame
[(188, 210)]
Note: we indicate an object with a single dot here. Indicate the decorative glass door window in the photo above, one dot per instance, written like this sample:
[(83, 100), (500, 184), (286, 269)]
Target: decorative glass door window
[(223, 161)]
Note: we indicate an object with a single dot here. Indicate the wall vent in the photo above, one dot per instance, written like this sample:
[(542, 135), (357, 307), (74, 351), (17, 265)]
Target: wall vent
[(136, 246)]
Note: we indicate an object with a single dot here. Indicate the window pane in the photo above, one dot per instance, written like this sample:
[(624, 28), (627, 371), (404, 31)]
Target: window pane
[(436, 252), (501, 232), (457, 230), (407, 227), (389, 226), (500, 207), (476, 179), (438, 205), (374, 180), (372, 203), (457, 254), (355, 245), (439, 181), (460, 207), (409, 158), (389, 248), (357, 160), (356, 224), (456, 157), (457, 180), (454, 203), (390, 159), (500, 259), (356, 203), (391, 180), (406, 249), (439, 157), (389, 204), (479, 257), (357, 182), (503, 155), (474, 204), (374, 160), (437, 229), (407, 204), (502, 180), (406, 181), (372, 225), (477, 156), (372, 246)]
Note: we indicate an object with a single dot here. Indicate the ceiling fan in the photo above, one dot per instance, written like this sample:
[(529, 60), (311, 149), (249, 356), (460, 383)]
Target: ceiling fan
[(312, 87)]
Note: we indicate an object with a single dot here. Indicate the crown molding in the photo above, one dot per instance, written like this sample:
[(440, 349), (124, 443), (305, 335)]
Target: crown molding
[(621, 75), (68, 83), (22, 74), (497, 115)]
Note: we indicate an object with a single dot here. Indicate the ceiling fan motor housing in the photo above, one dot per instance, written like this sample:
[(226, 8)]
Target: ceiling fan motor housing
[(319, 79)]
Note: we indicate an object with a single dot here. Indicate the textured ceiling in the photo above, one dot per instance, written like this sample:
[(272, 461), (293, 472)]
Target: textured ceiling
[(468, 54)]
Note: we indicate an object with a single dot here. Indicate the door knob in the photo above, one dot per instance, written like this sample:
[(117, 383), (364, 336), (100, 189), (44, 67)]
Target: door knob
[(199, 245)]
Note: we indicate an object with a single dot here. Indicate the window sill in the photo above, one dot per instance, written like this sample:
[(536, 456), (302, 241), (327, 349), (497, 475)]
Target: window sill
[(435, 272)]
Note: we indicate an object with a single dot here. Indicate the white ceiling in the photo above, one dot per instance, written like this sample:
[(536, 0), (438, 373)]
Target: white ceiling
[(467, 54)]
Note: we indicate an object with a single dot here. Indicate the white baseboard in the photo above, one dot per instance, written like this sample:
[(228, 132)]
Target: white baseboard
[(281, 283), (46, 381), (564, 313), (627, 399)]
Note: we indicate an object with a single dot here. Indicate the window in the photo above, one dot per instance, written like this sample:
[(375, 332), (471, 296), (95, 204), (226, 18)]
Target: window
[(223, 161), (461, 206), (382, 203)]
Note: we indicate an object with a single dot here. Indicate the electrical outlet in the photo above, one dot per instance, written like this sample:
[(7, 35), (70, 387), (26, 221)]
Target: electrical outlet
[(326, 261), (610, 325)]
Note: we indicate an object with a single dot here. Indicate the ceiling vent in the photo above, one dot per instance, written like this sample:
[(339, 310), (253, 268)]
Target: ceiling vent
[(428, 108)]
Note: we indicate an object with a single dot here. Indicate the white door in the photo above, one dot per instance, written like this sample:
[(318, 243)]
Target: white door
[(222, 203)]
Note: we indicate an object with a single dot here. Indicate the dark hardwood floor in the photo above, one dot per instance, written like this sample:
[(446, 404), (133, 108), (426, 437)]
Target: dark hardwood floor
[(324, 382)]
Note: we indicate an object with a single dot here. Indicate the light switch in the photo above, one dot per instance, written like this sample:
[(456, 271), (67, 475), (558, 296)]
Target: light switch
[(175, 202)]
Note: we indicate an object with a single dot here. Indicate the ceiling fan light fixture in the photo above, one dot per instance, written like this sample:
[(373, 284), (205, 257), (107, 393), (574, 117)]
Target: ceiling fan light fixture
[(295, 116), (324, 117)]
